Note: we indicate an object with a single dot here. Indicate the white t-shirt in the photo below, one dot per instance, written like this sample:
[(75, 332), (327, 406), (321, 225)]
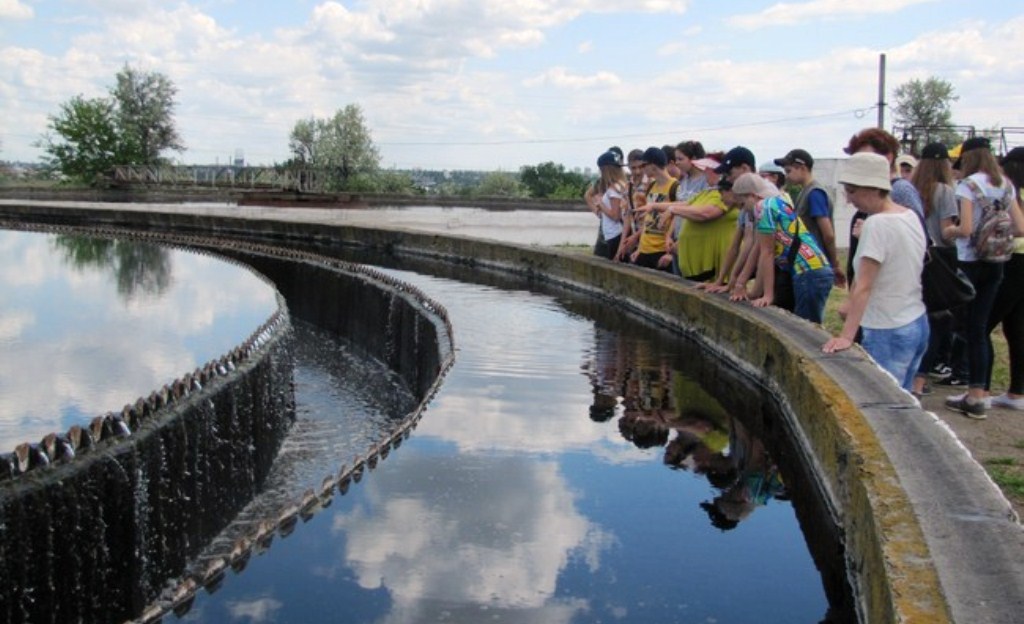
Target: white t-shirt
[(964, 251), (897, 242), (611, 228)]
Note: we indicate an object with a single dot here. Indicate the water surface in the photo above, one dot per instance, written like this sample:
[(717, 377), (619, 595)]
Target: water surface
[(90, 324), (570, 469)]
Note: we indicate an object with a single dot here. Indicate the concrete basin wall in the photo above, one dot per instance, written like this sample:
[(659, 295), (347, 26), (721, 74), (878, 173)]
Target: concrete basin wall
[(927, 535), (93, 539)]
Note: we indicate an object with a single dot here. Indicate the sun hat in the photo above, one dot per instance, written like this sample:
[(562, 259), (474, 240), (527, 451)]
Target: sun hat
[(753, 184), (866, 169), (771, 167), (935, 151)]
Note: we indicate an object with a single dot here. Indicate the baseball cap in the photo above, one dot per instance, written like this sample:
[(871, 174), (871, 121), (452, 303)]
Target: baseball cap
[(735, 157), (796, 157), (906, 159), (706, 163), (655, 156), (935, 151), (1014, 155), (609, 158)]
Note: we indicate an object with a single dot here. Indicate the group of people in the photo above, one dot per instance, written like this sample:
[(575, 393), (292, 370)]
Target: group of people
[(718, 219)]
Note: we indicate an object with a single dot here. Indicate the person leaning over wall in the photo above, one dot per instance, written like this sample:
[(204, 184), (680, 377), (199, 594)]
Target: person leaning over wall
[(815, 206), (654, 251), (707, 225), (885, 296), (742, 242), (795, 273), (982, 259)]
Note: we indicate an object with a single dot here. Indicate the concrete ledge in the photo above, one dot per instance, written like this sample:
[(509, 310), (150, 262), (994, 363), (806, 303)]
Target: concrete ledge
[(928, 536)]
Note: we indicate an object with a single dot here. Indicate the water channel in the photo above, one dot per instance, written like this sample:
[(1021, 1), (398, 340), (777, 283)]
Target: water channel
[(577, 465)]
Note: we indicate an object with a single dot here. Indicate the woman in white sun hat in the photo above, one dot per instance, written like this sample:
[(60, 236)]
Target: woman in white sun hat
[(885, 297)]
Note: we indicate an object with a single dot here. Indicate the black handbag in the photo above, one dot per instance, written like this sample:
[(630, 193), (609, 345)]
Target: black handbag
[(943, 285)]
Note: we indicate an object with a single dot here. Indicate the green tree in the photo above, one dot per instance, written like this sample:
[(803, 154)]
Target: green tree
[(501, 184), (926, 104), (340, 145), (130, 127), (145, 115), (550, 180), (382, 181), (88, 143)]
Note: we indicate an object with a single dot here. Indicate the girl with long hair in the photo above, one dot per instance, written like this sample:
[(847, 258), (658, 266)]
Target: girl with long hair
[(981, 175)]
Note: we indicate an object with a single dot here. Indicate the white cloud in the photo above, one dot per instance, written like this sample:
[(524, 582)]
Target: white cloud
[(257, 610), (15, 10), (560, 77), (438, 80), (786, 13), (506, 549)]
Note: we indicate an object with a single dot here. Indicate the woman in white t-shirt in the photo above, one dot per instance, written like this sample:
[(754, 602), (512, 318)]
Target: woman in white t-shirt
[(885, 297), (978, 168)]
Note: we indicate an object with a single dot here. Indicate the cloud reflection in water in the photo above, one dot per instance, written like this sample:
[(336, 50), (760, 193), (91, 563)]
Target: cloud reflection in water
[(87, 325)]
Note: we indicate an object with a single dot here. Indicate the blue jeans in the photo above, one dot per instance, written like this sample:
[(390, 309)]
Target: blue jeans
[(986, 277), (811, 289), (899, 350)]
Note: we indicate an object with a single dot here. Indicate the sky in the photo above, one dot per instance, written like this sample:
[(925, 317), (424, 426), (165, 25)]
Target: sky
[(464, 84)]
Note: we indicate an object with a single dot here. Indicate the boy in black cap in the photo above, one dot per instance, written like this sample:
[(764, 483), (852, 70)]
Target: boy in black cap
[(737, 161), (814, 205), (654, 251)]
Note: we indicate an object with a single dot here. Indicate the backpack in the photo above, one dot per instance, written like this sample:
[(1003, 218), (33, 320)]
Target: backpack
[(992, 238)]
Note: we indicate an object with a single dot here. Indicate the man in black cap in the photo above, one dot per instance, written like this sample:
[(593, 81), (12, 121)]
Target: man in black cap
[(814, 205), (737, 161)]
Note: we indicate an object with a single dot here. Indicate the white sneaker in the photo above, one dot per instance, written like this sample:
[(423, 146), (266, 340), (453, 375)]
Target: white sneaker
[(987, 400), (1004, 400)]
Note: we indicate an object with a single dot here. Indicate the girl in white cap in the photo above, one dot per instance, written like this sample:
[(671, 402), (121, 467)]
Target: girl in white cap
[(885, 297)]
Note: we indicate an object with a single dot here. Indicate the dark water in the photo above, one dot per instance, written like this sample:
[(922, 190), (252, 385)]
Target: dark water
[(574, 467), (89, 324)]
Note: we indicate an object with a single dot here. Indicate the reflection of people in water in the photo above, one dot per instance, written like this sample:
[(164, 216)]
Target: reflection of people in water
[(759, 481), (657, 400)]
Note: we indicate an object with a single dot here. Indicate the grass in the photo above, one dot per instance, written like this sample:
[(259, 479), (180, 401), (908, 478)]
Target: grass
[(1009, 477)]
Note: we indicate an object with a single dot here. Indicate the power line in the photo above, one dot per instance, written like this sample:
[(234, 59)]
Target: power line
[(857, 112)]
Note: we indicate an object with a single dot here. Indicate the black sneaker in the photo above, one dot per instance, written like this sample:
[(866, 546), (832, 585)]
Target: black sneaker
[(951, 380), (967, 407), (940, 370)]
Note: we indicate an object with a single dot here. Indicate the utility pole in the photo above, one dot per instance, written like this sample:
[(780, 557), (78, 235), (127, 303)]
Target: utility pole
[(881, 91)]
